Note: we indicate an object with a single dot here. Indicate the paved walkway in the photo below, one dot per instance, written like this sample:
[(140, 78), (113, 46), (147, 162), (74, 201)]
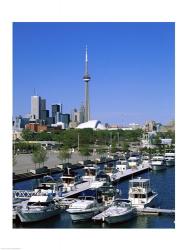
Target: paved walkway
[(24, 161)]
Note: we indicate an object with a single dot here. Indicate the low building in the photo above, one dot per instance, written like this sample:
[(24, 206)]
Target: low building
[(60, 125), (94, 124), (167, 141), (36, 127), (134, 126)]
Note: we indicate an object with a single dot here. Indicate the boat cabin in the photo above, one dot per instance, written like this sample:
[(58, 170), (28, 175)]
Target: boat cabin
[(122, 165), (122, 203), (90, 172), (139, 184)]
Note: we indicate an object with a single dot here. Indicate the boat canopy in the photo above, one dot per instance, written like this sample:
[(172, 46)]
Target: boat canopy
[(139, 182)]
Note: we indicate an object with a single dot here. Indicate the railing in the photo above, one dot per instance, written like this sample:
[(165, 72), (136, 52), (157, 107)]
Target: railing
[(22, 194)]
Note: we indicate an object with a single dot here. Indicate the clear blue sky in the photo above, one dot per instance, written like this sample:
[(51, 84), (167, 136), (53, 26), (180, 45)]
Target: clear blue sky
[(131, 67)]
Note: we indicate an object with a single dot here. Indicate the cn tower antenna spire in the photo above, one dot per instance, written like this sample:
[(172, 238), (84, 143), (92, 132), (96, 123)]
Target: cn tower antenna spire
[(86, 79), (86, 54), (86, 61)]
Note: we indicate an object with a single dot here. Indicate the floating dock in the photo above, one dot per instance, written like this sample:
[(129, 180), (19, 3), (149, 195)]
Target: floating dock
[(86, 185), (129, 173), (79, 188), (156, 211)]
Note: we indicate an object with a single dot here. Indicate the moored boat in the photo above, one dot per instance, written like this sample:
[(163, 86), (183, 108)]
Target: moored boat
[(122, 165), (121, 210), (90, 172), (140, 193), (158, 163), (170, 159), (39, 207), (85, 208)]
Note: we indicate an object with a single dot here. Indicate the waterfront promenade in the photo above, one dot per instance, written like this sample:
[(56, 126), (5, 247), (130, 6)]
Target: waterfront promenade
[(24, 161)]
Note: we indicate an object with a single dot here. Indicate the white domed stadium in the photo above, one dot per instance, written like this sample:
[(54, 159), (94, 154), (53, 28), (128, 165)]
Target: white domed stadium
[(94, 124)]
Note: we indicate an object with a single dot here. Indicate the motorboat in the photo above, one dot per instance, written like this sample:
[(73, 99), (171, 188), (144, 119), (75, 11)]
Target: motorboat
[(145, 160), (85, 208), (134, 161), (158, 162), (170, 159), (108, 193), (110, 170), (90, 172), (65, 202), (121, 210), (140, 192), (39, 207), (69, 182), (122, 165)]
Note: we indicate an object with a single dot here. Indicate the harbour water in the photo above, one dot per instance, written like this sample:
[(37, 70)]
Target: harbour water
[(163, 182)]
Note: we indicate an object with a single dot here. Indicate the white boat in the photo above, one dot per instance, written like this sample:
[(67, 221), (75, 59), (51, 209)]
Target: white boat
[(140, 193), (121, 210), (122, 165), (108, 193), (110, 170), (69, 182), (170, 159), (39, 207), (134, 161), (85, 208), (158, 163), (90, 172), (145, 160), (65, 202)]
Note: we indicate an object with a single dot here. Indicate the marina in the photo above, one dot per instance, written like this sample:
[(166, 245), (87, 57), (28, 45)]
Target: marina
[(164, 205)]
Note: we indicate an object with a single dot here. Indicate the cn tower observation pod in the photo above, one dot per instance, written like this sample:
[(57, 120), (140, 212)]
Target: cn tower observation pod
[(94, 124)]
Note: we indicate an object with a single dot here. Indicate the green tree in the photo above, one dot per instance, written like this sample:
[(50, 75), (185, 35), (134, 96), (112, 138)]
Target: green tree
[(39, 156), (113, 148), (101, 151), (64, 154), (84, 151), (28, 135), (125, 147)]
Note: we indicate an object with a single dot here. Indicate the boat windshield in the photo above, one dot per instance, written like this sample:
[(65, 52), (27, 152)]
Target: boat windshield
[(90, 198), (143, 184), (121, 203)]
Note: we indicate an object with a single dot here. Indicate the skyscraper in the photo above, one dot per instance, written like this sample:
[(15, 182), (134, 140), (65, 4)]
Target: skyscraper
[(75, 116), (35, 106), (86, 79), (82, 114), (55, 108), (43, 104)]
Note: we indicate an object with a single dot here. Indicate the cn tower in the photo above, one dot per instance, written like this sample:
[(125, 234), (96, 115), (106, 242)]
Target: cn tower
[(86, 79)]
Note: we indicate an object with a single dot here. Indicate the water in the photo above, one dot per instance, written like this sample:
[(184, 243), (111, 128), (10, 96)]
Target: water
[(163, 182)]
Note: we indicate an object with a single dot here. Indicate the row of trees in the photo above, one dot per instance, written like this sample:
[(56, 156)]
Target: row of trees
[(87, 136)]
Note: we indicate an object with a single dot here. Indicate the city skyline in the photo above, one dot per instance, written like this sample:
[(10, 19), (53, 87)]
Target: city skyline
[(132, 68)]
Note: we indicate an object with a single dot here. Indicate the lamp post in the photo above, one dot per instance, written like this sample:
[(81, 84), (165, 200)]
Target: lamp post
[(78, 143)]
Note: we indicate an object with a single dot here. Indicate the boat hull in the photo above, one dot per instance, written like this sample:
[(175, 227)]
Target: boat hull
[(34, 216), (158, 167), (170, 163), (150, 202), (83, 215), (120, 218)]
